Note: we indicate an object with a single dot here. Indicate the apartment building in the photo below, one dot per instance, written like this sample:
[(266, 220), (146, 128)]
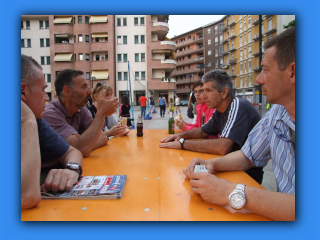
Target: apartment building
[(189, 55), (35, 42), (102, 47), (213, 45)]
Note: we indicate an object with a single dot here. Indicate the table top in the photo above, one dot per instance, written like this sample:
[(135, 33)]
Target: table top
[(156, 188)]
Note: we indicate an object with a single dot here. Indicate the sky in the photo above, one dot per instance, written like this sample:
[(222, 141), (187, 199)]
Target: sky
[(179, 24)]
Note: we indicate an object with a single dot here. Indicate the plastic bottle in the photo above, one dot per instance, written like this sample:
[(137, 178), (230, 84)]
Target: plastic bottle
[(139, 127)]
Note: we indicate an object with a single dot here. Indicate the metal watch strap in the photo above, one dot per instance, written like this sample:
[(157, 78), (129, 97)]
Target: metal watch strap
[(182, 143), (240, 187)]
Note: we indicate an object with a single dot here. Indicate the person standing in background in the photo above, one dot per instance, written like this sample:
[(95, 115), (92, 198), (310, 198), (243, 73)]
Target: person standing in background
[(162, 104), (143, 104), (177, 104)]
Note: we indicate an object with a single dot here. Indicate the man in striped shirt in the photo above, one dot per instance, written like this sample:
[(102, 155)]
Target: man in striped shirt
[(273, 137), (233, 119)]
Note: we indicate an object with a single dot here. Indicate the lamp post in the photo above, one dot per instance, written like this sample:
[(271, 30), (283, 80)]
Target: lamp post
[(189, 76), (92, 78), (201, 66)]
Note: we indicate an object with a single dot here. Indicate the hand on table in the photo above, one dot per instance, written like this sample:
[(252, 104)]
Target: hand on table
[(189, 170), (59, 180), (117, 130), (211, 188), (173, 145), (170, 138)]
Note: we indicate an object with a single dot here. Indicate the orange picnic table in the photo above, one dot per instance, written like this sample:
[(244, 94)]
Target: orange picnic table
[(156, 188)]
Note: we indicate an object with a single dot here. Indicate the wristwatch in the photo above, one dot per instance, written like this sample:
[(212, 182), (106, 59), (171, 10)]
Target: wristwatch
[(237, 199), (75, 166), (181, 140)]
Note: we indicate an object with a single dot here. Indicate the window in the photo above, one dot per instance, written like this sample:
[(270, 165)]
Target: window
[(240, 25), (220, 27), (216, 52), (42, 60), (136, 39), (118, 22), (245, 53), (97, 57), (86, 20), (209, 41), (215, 29), (249, 65), (221, 39), (220, 50), (241, 68), (241, 82), (87, 38), (232, 32), (221, 61), (119, 58), (142, 38), (249, 51), (124, 22), (80, 56), (121, 39), (240, 41), (245, 38), (41, 24), (87, 75), (142, 21), (136, 21), (245, 66), (216, 63), (209, 30), (28, 24), (209, 52), (124, 39), (125, 76), (28, 42), (125, 57), (48, 60), (143, 58), (249, 36), (80, 38), (269, 24), (49, 78), (87, 57), (136, 57), (106, 57), (119, 76), (45, 43), (216, 41), (143, 75), (79, 19), (240, 54), (209, 63), (136, 75)]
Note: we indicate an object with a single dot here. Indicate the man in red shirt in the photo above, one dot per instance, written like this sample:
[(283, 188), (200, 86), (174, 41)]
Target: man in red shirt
[(143, 101)]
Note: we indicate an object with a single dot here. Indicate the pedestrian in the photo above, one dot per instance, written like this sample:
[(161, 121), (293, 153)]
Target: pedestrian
[(162, 104), (178, 104), (143, 104), (152, 107)]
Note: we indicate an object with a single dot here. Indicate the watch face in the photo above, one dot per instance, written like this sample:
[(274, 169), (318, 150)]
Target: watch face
[(181, 140), (237, 200)]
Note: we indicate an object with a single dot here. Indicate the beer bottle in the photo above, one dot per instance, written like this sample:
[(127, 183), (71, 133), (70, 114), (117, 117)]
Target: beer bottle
[(171, 123), (139, 127)]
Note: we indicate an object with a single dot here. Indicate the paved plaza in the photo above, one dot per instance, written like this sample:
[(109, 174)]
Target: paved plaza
[(158, 122)]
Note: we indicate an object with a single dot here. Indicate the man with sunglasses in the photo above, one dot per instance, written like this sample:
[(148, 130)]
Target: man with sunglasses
[(273, 137), (233, 119), (69, 116)]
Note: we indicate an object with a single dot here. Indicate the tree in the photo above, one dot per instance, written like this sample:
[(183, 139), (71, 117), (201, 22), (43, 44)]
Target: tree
[(290, 24)]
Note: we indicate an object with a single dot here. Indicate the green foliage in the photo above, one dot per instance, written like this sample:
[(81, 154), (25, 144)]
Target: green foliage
[(290, 24)]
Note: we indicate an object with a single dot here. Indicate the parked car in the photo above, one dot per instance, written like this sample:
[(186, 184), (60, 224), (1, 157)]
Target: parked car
[(184, 103)]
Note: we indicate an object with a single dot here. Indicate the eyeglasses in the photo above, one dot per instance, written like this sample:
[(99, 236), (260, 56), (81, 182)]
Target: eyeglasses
[(97, 85), (198, 92), (283, 133)]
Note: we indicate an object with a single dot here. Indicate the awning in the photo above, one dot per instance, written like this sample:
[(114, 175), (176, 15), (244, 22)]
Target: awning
[(99, 35), (100, 74), (63, 57), (98, 19), (62, 20), (62, 35)]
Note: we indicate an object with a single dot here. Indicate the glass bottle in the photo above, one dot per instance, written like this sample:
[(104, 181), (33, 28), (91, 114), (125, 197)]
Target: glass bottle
[(171, 123), (139, 127)]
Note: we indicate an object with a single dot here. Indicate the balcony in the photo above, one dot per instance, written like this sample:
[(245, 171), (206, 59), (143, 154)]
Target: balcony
[(233, 49), (166, 64), (190, 61), (59, 66), (163, 45), (198, 39), (225, 40), (160, 27), (157, 84), (255, 21), (232, 23), (256, 69), (256, 53), (63, 47), (101, 27), (271, 29), (225, 66), (189, 51), (233, 61), (225, 27), (184, 72), (233, 75), (101, 47), (232, 36), (255, 37), (100, 65), (165, 79), (267, 16), (63, 28), (224, 53)]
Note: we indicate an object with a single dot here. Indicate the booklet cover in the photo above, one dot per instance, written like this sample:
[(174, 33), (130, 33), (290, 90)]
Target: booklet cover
[(93, 187)]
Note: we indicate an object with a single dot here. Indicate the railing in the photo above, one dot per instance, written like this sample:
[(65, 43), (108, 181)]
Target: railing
[(255, 21), (256, 69), (168, 43), (168, 61), (271, 29), (225, 27), (233, 60), (256, 37), (164, 24), (166, 79)]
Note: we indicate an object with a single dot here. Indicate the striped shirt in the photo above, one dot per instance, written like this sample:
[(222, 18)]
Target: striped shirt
[(235, 123), (271, 138)]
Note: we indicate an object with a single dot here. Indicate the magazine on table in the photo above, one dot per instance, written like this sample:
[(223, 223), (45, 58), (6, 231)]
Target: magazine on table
[(93, 187)]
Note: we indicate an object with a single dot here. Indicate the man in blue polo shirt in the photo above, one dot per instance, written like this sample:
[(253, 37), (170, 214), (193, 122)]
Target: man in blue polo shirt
[(60, 162), (273, 137)]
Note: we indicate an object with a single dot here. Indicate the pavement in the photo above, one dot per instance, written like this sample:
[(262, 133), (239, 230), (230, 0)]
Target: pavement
[(158, 122)]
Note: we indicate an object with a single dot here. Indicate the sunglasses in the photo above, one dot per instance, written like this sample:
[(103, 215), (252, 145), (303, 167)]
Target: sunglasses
[(96, 86)]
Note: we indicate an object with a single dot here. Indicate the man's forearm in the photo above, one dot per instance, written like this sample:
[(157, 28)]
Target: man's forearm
[(72, 155), (192, 134), (220, 146), (235, 161)]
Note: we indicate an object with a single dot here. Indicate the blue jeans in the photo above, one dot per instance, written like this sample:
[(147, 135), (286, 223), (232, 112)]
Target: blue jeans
[(143, 111)]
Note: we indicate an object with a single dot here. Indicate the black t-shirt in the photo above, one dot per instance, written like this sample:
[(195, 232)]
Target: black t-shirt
[(125, 110), (151, 101), (52, 145), (235, 123)]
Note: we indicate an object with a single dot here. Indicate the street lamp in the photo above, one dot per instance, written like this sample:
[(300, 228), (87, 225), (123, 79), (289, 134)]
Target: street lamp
[(92, 78), (189, 76), (201, 66)]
